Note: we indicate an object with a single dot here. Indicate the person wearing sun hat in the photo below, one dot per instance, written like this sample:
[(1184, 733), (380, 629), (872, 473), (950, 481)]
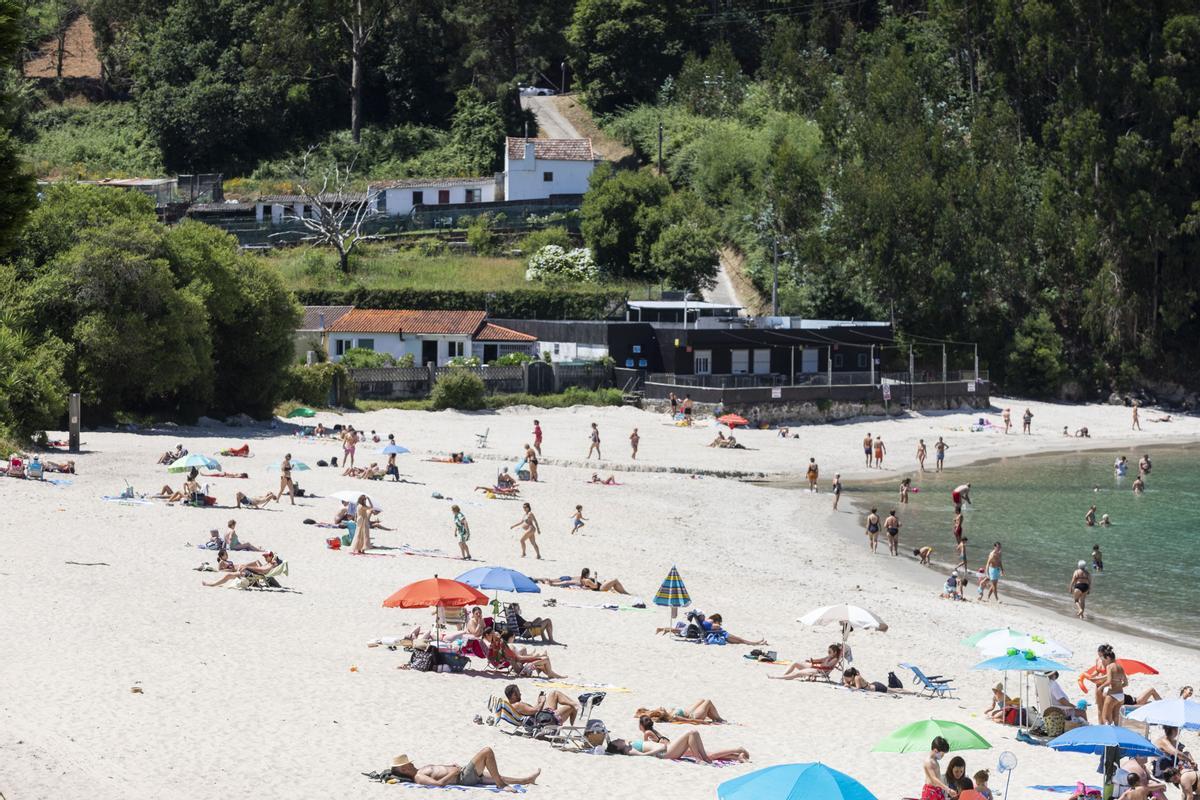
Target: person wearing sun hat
[(481, 770)]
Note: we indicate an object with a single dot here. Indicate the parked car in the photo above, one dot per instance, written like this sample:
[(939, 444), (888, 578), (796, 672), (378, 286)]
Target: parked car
[(535, 91)]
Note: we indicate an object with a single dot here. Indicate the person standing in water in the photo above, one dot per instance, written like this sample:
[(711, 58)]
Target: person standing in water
[(873, 529), (939, 450), (836, 489), (1089, 518), (961, 547), (1081, 584), (1139, 485), (960, 495), (1097, 559), (529, 528), (994, 568), (905, 488), (1144, 465), (958, 526), (1120, 466), (1137, 424), (812, 474), (879, 452), (892, 526), (867, 442), (921, 453)]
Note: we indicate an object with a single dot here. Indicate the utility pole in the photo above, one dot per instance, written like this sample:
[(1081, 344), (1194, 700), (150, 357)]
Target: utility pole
[(944, 395), (775, 280), (562, 84), (660, 142), (872, 360), (977, 363)]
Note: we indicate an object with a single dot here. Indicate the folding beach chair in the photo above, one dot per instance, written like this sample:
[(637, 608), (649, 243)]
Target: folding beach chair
[(574, 737), (934, 685), (268, 580), (512, 621), (481, 439)]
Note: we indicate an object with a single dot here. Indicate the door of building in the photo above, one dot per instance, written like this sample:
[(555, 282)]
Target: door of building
[(808, 359), (429, 352), (702, 362)]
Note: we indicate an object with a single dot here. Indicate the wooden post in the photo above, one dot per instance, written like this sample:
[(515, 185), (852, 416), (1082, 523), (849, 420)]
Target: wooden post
[(73, 417)]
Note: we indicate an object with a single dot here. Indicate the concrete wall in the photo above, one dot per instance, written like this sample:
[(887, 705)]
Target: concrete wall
[(524, 179), (392, 344)]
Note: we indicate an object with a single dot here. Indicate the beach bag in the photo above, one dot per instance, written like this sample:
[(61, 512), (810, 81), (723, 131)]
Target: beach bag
[(716, 637), (454, 661), (334, 543), (539, 720), (423, 661), (692, 631), (1054, 722), (322, 462), (333, 461), (894, 682), (347, 539)]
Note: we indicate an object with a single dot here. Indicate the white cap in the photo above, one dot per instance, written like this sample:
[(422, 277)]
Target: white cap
[(1082, 564)]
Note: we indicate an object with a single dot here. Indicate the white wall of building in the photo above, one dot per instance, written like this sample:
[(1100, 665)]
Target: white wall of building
[(400, 201), (448, 345), (525, 178), (572, 351)]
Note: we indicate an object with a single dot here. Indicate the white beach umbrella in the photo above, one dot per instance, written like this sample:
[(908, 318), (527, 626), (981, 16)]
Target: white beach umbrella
[(1000, 642), (351, 496), (847, 616)]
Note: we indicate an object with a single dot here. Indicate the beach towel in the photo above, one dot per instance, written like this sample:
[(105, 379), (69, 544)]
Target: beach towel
[(607, 687), (59, 481), (126, 501), (605, 606), (520, 789), (691, 760), (1065, 789)]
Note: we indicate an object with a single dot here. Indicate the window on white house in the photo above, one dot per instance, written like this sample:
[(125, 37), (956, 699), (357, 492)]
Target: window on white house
[(339, 347), (547, 177), (862, 360), (762, 362), (366, 344), (454, 349), (739, 361), (702, 362), (556, 348), (443, 196), (472, 196), (383, 203), (837, 360), (418, 198)]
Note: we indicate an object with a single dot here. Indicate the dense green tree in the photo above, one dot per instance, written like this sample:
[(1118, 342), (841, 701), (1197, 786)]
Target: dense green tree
[(16, 184), (33, 395), (684, 253), (619, 220)]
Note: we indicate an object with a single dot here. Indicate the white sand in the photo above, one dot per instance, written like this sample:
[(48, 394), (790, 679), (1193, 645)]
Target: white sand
[(252, 693)]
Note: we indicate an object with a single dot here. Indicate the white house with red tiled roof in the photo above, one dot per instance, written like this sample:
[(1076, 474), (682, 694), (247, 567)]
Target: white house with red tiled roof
[(534, 169), (428, 336)]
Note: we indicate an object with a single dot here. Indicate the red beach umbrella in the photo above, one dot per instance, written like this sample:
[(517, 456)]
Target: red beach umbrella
[(733, 420), (1132, 667), (436, 591)]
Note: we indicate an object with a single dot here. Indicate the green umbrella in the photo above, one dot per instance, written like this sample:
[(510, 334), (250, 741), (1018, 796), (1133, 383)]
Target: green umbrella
[(302, 412), (917, 736), (973, 640)]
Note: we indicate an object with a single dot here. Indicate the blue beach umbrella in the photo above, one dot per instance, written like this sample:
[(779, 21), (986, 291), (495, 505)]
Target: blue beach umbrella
[(394, 448), (193, 460), (1018, 661), (1097, 738), (812, 781), (1177, 713), (500, 579)]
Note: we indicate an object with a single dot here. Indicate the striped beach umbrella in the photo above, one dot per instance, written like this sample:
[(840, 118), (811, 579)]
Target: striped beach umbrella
[(672, 593)]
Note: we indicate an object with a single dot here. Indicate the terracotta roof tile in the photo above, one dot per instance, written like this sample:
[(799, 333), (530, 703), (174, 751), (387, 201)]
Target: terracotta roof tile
[(312, 316), (552, 149), (428, 183), (363, 320), (498, 333)]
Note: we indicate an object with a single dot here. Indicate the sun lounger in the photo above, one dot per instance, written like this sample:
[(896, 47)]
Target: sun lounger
[(934, 685), (481, 439), (512, 621), (267, 580), (571, 737)]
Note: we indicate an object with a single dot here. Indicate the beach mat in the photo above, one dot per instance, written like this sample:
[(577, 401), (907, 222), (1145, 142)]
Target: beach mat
[(604, 687)]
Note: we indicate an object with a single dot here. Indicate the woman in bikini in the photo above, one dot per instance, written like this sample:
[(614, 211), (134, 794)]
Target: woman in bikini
[(655, 744), (530, 529), (1081, 584), (501, 655), (922, 451), (585, 581), (531, 461), (255, 502), (261, 567), (812, 668), (285, 478), (698, 712), (873, 529), (349, 442)]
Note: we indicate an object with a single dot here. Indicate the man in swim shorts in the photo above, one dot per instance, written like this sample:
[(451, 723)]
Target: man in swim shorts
[(939, 451), (868, 441), (995, 571), (481, 770), (960, 495)]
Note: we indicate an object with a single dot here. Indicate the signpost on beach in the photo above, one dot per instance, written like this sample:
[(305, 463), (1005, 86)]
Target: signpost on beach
[(73, 422)]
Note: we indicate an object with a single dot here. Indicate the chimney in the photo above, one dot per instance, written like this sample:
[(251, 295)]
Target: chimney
[(530, 149), (321, 317)]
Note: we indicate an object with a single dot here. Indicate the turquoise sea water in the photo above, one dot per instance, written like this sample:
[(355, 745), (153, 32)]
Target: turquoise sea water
[(1035, 507)]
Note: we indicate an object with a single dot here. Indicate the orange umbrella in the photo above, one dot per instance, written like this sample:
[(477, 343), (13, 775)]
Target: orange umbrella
[(1132, 667), (733, 420), (435, 591)]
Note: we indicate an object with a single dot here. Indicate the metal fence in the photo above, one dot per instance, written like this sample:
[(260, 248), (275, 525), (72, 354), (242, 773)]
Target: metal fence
[(397, 383), (746, 381)]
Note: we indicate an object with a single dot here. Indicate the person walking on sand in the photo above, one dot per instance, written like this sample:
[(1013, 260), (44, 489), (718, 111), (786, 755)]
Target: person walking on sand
[(922, 451), (836, 488), (1007, 417), (462, 532), (577, 519), (867, 442), (595, 442), (1081, 584), (1027, 421), (879, 451), (537, 436), (529, 530), (1137, 424), (892, 526), (285, 479), (531, 461), (873, 530), (994, 568), (905, 488), (960, 495), (812, 474), (634, 438), (939, 450), (1089, 518)]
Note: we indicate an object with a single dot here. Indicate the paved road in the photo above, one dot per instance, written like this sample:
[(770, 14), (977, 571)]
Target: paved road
[(723, 292), (551, 123)]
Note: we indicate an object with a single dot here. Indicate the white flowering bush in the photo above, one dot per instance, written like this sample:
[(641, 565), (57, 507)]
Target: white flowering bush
[(553, 264)]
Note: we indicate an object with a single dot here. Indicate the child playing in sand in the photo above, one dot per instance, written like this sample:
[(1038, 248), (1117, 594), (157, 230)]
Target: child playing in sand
[(462, 532), (577, 519), (923, 554)]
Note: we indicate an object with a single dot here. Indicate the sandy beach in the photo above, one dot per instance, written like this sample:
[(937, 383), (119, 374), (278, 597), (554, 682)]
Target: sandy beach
[(273, 694)]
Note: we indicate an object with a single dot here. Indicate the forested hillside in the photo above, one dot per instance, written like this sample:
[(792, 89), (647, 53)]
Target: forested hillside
[(1020, 173)]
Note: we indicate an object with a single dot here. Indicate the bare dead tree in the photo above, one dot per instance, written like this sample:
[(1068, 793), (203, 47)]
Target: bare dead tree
[(338, 214)]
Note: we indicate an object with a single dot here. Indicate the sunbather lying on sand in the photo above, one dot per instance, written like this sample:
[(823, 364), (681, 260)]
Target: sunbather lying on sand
[(507, 491), (481, 770), (453, 458), (853, 679), (690, 744), (609, 481), (260, 567), (226, 475), (699, 711), (813, 667), (720, 441), (256, 502), (713, 625), (190, 487), (67, 467), (585, 581)]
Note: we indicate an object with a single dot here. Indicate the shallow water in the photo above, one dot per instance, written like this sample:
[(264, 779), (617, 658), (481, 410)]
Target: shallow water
[(1035, 506)]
